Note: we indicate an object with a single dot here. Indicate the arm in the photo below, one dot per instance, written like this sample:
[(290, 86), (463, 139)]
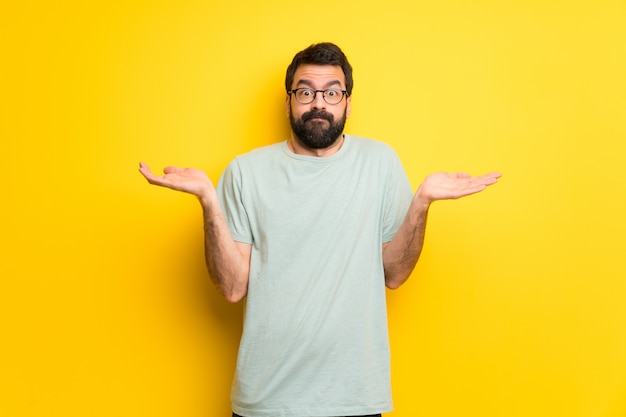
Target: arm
[(400, 255), (228, 261)]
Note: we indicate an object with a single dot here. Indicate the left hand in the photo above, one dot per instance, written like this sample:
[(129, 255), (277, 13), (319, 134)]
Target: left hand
[(445, 186)]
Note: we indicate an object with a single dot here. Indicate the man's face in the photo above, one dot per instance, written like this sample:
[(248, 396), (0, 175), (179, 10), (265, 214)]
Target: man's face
[(318, 125)]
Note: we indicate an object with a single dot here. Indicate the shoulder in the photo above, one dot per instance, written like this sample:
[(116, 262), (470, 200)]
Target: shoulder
[(372, 147), (257, 158), (263, 152)]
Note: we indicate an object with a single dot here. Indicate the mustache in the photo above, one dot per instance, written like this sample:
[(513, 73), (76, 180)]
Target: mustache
[(317, 114)]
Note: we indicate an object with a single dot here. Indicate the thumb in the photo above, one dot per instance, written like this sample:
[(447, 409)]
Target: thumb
[(173, 170)]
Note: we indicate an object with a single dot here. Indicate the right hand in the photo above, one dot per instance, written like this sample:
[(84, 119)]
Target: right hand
[(188, 180)]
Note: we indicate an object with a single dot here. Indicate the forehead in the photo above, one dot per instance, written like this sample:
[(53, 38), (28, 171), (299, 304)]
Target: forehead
[(319, 75)]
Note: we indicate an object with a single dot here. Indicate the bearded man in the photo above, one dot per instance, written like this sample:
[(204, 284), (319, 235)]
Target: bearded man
[(310, 231)]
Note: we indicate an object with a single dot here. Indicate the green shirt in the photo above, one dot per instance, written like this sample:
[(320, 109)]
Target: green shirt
[(315, 337)]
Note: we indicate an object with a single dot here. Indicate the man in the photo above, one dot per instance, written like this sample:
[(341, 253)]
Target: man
[(309, 231)]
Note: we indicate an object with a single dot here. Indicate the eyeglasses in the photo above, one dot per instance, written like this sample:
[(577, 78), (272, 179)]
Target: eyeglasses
[(307, 95)]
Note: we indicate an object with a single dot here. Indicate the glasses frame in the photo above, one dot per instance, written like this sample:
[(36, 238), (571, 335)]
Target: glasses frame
[(338, 90)]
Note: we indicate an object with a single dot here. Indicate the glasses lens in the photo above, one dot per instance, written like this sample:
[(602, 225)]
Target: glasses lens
[(305, 95), (333, 96)]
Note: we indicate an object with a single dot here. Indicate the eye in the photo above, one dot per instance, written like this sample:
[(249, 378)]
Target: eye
[(332, 92), (306, 92)]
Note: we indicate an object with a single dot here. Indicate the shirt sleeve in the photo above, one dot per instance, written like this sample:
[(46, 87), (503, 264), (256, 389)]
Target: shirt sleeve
[(398, 197), (229, 192)]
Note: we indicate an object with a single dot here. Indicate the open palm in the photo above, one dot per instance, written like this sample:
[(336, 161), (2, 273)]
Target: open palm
[(444, 186), (189, 180)]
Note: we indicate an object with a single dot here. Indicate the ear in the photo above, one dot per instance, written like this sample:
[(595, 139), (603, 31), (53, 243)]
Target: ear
[(287, 105), (348, 106)]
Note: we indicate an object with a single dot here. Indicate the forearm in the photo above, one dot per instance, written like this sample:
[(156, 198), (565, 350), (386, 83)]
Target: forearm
[(401, 254), (228, 262)]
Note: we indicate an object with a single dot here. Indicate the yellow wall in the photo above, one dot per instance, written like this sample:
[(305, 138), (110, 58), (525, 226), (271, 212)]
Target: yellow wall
[(518, 305)]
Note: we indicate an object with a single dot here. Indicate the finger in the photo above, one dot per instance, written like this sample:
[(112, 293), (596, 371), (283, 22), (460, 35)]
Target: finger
[(471, 190), (145, 170), (490, 178), (494, 175), (486, 180), (150, 177)]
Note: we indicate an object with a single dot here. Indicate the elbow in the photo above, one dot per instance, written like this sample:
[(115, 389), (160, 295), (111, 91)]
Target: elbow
[(393, 284), (234, 297), (395, 277), (232, 290)]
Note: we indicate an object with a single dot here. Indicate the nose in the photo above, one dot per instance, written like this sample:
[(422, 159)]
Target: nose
[(318, 101)]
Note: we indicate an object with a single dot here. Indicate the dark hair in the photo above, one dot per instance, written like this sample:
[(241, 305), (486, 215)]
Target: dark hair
[(324, 53)]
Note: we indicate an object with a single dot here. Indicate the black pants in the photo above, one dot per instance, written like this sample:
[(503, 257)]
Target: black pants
[(370, 415)]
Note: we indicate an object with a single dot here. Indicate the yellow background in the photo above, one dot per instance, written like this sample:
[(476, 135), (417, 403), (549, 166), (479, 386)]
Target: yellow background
[(517, 307)]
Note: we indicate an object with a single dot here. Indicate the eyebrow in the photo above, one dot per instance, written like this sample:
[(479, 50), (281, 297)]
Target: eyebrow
[(327, 85)]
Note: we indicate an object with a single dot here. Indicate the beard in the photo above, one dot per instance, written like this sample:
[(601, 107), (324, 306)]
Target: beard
[(314, 134)]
